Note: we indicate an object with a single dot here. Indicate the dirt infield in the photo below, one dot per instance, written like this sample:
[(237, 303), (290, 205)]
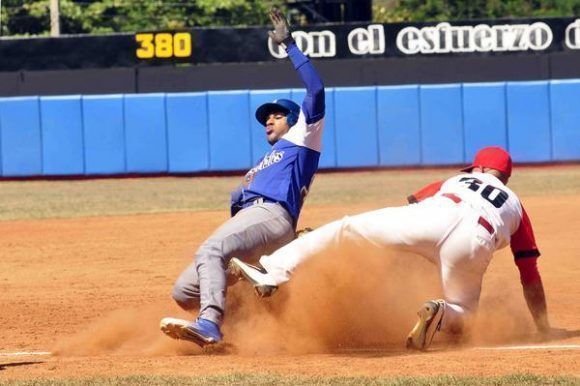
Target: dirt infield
[(92, 291)]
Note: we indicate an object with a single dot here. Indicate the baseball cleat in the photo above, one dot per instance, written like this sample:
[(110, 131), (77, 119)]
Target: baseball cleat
[(430, 316), (202, 332), (263, 283)]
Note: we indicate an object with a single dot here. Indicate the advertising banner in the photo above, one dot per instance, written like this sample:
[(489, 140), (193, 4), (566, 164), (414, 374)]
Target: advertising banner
[(333, 41)]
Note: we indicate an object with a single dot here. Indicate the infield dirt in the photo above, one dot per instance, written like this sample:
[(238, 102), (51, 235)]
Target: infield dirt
[(92, 291)]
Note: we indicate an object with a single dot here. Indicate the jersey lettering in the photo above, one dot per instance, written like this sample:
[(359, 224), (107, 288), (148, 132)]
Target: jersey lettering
[(493, 195), (474, 183)]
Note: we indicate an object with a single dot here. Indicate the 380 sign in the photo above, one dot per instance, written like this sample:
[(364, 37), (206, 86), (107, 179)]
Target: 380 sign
[(163, 45)]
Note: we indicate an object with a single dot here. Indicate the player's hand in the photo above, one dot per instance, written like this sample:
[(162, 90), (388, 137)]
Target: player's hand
[(281, 33), (554, 333)]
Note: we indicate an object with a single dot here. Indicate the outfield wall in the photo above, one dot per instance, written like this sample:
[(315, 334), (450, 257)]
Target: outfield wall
[(410, 125)]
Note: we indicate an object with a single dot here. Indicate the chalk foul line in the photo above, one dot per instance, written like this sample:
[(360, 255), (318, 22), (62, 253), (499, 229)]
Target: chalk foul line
[(24, 353), (533, 347), (520, 347)]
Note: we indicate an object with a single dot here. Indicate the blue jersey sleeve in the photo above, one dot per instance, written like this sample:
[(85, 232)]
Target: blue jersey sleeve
[(313, 104)]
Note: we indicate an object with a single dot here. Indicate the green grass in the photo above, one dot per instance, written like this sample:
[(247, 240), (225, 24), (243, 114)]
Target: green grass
[(269, 379), (102, 197)]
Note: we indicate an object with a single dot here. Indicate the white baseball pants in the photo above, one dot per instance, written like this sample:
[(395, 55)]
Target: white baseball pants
[(444, 232)]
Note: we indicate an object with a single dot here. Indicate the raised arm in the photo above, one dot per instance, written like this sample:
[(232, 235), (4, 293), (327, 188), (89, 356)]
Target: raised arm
[(313, 104)]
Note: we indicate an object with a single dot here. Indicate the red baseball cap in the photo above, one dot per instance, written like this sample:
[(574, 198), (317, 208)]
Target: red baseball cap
[(492, 157)]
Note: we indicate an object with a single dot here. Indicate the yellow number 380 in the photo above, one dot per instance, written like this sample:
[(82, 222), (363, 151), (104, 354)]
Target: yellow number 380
[(163, 45)]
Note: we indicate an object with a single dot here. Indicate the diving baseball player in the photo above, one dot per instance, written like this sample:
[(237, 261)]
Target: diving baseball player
[(265, 207), (456, 224)]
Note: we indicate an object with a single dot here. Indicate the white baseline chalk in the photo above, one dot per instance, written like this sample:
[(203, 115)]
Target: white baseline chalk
[(24, 353), (534, 347)]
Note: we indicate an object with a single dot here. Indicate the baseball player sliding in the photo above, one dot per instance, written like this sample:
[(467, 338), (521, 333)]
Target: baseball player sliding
[(265, 207), (456, 224)]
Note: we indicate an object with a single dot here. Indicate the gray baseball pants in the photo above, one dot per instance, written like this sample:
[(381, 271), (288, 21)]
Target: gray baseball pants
[(254, 231)]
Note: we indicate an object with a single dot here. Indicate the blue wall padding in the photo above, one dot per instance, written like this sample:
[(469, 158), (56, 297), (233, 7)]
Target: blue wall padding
[(229, 130), (528, 108), (356, 127), (145, 133), (399, 126), (260, 145), (328, 154), (187, 132), (21, 149), (62, 135), (565, 113), (442, 140), (217, 131), (104, 134), (484, 116)]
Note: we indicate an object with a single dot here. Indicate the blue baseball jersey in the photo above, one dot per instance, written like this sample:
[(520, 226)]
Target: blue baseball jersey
[(285, 173)]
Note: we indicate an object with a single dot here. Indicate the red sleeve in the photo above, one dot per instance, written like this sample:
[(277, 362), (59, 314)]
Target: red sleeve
[(426, 191), (529, 273), (523, 242)]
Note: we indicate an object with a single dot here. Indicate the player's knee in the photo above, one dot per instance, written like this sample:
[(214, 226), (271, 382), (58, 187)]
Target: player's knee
[(186, 298)]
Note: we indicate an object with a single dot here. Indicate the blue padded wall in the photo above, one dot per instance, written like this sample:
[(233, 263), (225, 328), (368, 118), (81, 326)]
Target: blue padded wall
[(259, 142), (441, 125), (484, 116), (217, 131), (187, 132), (399, 126), (104, 134), (21, 146), (145, 133), (229, 130), (62, 135), (565, 114), (528, 108), (356, 127)]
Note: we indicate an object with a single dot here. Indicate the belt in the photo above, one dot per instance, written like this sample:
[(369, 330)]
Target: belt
[(256, 201), (481, 220)]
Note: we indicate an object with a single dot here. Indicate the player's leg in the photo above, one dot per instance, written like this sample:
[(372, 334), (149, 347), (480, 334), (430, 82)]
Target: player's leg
[(416, 228), (253, 231), (186, 288), (278, 267), (464, 257)]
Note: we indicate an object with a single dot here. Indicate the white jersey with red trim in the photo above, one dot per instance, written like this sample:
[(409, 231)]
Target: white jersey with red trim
[(456, 224), (498, 204)]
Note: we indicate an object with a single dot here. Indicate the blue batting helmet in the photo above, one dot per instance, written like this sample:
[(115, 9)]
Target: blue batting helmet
[(291, 109)]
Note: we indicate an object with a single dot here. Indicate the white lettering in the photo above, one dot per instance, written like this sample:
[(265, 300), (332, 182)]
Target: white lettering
[(430, 40), (275, 50), (540, 36), (482, 38), (407, 40), (444, 38), (315, 44), (268, 160), (363, 41), (573, 35)]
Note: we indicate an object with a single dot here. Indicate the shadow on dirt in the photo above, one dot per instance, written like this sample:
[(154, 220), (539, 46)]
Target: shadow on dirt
[(4, 366)]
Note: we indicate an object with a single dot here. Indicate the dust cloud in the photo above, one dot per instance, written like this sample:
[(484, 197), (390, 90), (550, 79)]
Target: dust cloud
[(345, 299)]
